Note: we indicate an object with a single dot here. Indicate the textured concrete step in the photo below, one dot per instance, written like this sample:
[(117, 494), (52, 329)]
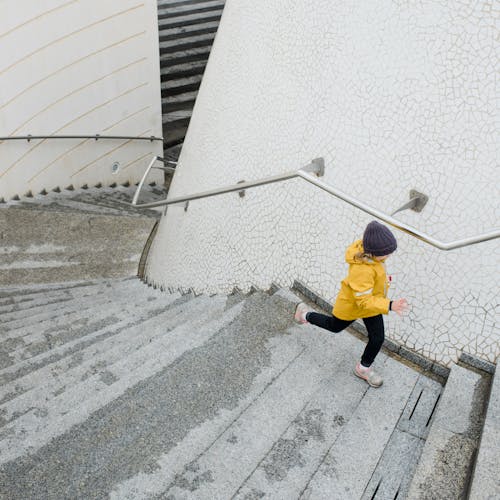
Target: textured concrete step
[(61, 376), (180, 33), (39, 426), (187, 42), (224, 378), (19, 323), (165, 24), (171, 8), (289, 463), (104, 201), (13, 293), (348, 466), (71, 349), (192, 80), (53, 300), (444, 466), (26, 298), (180, 98), (486, 476), (395, 469), (50, 334), (81, 246)]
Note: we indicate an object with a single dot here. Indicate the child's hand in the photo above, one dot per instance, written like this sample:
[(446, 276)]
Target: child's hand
[(399, 306)]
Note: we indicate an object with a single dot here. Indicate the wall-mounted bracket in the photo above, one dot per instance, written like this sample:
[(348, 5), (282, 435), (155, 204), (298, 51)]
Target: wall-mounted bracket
[(242, 192), (417, 202), (317, 166)]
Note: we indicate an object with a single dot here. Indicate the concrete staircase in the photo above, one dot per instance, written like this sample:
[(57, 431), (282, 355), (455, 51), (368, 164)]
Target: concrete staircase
[(186, 29), (111, 389), (75, 235)]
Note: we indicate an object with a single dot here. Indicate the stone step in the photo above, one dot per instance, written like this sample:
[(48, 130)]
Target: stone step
[(27, 296), (175, 10), (13, 293), (61, 376), (180, 33), (104, 201), (192, 58), (192, 80), (15, 321), (347, 467), (86, 238), (187, 42), (185, 97), (177, 115), (392, 476), (486, 475), (35, 303), (72, 348), (182, 70), (183, 55), (39, 426), (166, 24), (73, 326), (210, 376), (447, 457)]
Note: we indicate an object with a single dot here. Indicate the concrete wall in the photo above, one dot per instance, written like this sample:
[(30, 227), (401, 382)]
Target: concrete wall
[(395, 96), (77, 67)]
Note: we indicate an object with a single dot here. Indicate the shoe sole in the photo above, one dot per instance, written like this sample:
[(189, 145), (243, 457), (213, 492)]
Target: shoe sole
[(363, 378)]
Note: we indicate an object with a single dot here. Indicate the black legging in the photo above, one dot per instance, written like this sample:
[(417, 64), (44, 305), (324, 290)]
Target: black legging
[(374, 325)]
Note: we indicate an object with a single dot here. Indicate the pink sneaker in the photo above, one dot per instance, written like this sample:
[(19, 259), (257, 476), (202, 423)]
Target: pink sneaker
[(369, 375), (300, 313)]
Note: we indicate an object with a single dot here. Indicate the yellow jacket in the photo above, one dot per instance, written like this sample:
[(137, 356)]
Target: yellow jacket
[(363, 292)]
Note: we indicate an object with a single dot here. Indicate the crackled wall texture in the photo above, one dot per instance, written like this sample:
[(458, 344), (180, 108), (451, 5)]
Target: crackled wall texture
[(77, 67), (395, 96)]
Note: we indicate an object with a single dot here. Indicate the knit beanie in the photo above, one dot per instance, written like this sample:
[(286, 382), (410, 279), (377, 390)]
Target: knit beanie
[(378, 240)]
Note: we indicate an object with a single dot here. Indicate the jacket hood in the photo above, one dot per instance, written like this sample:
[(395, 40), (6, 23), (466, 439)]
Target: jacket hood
[(353, 250)]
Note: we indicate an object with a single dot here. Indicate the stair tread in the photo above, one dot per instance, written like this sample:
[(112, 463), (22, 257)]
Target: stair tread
[(348, 472), (46, 312), (40, 360), (453, 437), (96, 391), (62, 375), (486, 479)]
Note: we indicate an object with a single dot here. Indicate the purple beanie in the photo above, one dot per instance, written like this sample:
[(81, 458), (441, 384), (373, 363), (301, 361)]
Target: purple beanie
[(378, 240)]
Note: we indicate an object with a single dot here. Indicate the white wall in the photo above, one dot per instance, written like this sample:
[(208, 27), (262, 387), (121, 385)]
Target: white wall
[(395, 96), (77, 67)]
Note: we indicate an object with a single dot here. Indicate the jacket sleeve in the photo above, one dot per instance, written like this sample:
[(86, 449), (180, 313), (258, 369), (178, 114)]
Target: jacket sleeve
[(361, 280)]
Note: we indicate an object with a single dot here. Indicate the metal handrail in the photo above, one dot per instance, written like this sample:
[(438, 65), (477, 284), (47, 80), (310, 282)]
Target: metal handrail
[(29, 137), (310, 173), (143, 180)]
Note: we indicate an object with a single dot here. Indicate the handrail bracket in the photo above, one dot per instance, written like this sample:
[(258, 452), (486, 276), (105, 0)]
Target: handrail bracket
[(317, 166)]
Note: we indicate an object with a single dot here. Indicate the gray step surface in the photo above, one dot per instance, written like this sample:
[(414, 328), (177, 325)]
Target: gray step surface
[(76, 245), (207, 397), (105, 201), (486, 476), (24, 298), (32, 340), (447, 458)]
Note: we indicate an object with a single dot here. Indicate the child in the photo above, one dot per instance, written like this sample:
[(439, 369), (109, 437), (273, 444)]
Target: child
[(363, 294)]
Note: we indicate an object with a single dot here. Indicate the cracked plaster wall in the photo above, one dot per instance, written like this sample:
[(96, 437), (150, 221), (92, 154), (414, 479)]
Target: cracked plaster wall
[(395, 96)]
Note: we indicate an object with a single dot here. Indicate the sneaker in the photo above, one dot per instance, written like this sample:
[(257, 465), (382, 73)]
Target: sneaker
[(369, 375), (300, 313)]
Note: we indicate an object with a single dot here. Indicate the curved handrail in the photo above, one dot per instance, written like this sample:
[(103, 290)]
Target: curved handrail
[(310, 173), (143, 180)]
